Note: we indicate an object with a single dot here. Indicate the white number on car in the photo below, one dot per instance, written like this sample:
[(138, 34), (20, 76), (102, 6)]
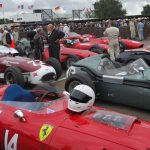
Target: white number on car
[(12, 144)]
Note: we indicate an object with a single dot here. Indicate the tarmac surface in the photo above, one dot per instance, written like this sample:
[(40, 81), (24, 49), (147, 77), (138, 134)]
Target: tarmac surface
[(139, 113)]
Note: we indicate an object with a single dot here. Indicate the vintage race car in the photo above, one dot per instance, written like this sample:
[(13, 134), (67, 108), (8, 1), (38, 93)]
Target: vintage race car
[(133, 54), (128, 85), (92, 45), (23, 47), (6, 50), (68, 56), (35, 122), (123, 43), (23, 70)]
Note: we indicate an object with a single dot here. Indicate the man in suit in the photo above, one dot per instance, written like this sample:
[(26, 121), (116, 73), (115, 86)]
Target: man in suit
[(53, 41)]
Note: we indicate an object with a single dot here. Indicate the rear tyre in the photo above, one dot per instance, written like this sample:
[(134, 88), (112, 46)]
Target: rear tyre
[(13, 75), (75, 80), (56, 65), (122, 47), (96, 49), (71, 59)]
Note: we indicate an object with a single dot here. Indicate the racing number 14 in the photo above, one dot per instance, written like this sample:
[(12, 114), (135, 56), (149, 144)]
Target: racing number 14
[(12, 144)]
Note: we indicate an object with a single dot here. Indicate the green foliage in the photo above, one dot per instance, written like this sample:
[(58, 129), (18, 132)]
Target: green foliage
[(146, 10), (109, 8)]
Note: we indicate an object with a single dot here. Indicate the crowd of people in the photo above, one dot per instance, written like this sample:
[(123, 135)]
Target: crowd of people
[(37, 35)]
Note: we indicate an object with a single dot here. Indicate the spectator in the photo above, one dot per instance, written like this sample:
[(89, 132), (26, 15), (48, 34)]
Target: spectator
[(15, 34), (112, 33), (140, 27), (132, 28), (30, 35), (1, 33), (4, 42), (61, 27), (66, 30), (53, 40), (10, 39), (38, 44)]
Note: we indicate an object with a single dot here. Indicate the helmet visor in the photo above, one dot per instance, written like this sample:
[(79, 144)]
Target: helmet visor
[(80, 97)]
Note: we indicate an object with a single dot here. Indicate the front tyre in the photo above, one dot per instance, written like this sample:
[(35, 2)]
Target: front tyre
[(75, 80), (13, 75), (56, 65)]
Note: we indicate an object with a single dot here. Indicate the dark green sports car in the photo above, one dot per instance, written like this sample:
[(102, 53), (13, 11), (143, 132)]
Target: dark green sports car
[(129, 85)]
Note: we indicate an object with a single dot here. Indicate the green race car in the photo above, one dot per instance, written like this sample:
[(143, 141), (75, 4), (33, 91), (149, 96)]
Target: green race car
[(129, 85)]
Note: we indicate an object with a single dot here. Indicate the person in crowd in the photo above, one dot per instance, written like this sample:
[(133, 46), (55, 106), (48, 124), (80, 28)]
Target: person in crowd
[(15, 34), (4, 42), (30, 35), (10, 39), (140, 28), (53, 40), (132, 28), (61, 27), (113, 47), (66, 30), (1, 33), (38, 44)]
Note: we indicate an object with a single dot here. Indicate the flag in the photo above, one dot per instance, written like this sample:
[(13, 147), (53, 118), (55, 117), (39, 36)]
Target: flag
[(1, 6), (57, 8), (30, 7)]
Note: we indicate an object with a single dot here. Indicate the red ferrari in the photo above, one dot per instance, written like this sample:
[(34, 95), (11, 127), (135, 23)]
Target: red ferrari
[(124, 43), (43, 122), (68, 56), (93, 46)]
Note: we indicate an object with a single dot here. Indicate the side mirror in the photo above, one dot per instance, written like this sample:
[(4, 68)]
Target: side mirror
[(19, 114), (141, 69)]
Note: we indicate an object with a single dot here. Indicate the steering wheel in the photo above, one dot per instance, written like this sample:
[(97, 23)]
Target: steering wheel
[(49, 94)]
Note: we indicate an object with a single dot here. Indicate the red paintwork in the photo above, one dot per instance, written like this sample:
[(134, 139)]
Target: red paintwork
[(72, 131), (87, 45), (130, 44), (64, 53), (25, 64)]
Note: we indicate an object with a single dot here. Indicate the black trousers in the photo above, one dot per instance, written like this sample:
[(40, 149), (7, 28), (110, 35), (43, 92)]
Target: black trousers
[(54, 51)]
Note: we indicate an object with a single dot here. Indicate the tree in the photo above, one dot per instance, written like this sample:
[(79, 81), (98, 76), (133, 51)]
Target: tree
[(108, 9), (146, 10)]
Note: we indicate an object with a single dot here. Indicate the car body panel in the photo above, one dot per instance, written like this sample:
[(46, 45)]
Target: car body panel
[(65, 52), (96, 129), (32, 70), (130, 44), (119, 87)]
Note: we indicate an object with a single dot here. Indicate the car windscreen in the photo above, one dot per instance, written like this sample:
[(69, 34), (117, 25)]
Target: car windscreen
[(108, 67), (104, 66), (36, 107)]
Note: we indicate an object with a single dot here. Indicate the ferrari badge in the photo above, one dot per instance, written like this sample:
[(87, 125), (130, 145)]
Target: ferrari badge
[(45, 131)]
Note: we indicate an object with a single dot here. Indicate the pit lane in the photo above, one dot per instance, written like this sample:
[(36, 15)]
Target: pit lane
[(139, 113)]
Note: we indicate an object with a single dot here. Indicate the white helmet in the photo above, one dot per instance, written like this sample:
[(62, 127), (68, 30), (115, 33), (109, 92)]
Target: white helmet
[(81, 98)]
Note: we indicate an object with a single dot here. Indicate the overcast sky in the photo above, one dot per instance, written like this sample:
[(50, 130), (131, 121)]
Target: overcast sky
[(133, 7)]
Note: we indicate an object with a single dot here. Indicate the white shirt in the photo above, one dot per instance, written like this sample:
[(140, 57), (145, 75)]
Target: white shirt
[(66, 30)]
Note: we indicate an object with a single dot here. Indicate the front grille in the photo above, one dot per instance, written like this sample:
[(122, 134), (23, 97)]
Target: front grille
[(48, 77)]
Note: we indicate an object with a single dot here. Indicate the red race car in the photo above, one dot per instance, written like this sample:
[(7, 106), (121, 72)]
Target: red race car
[(124, 43), (93, 46), (45, 123), (68, 56)]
